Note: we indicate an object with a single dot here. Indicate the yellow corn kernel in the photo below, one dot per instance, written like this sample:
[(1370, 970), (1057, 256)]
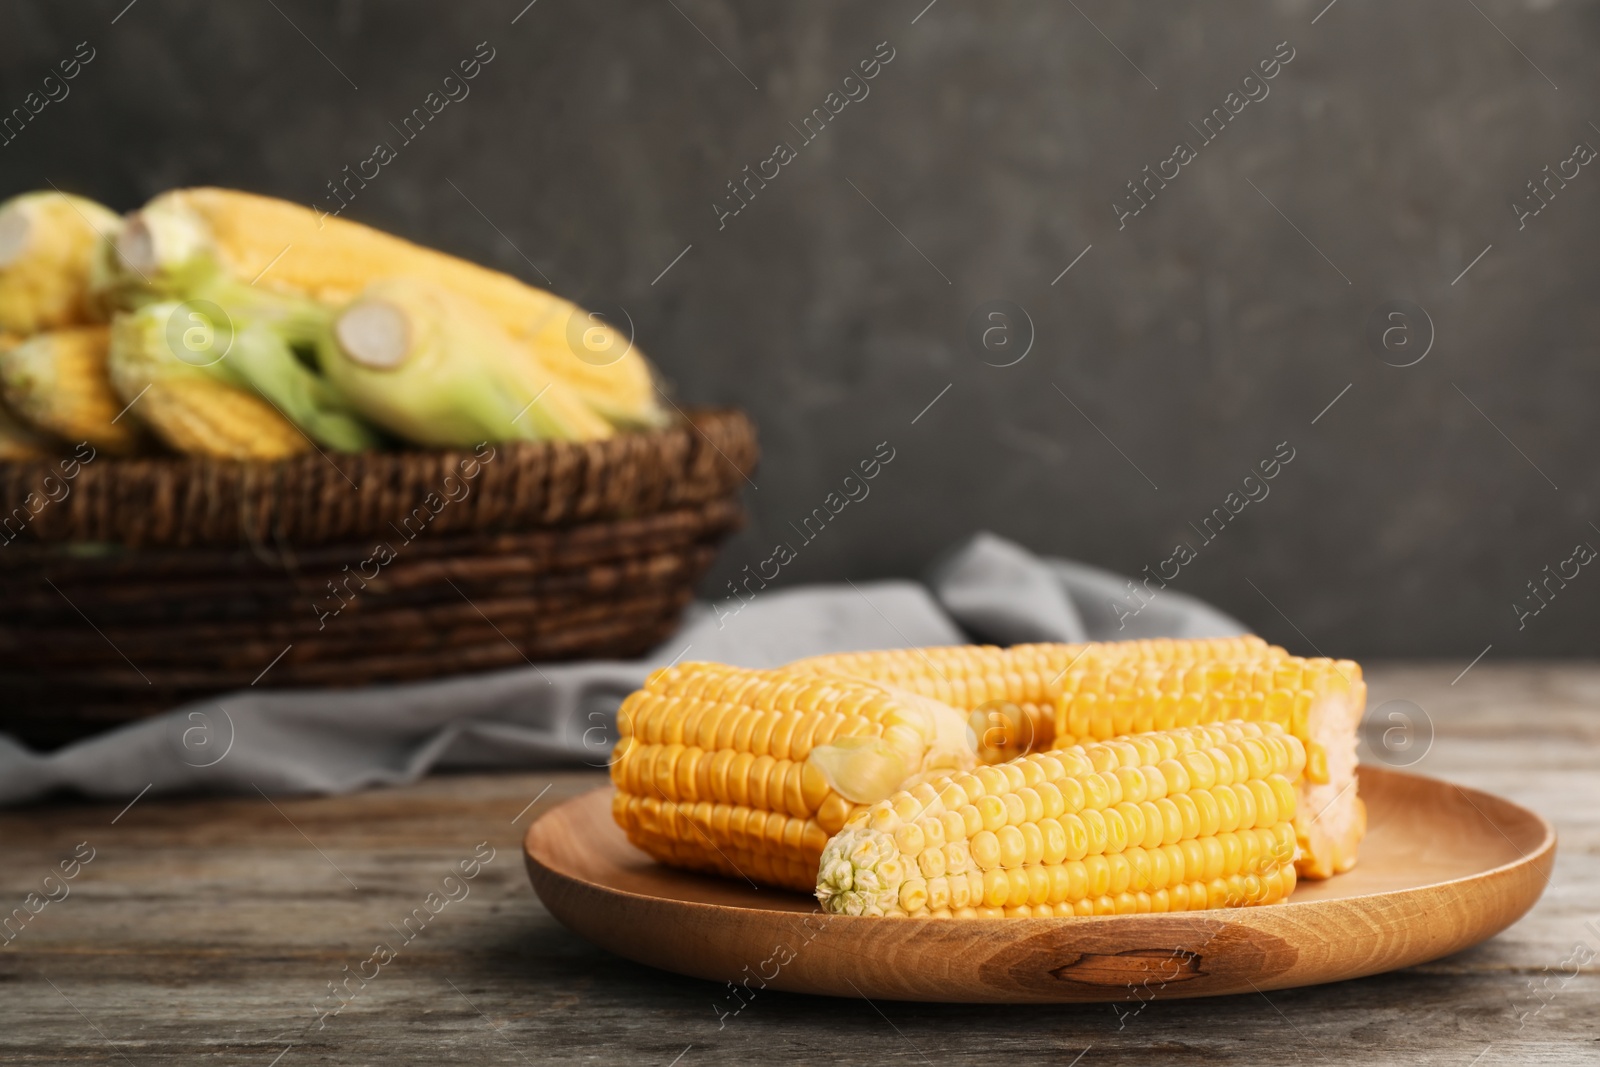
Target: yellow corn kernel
[(1318, 701), (755, 769), (202, 417), (58, 383), (1111, 857)]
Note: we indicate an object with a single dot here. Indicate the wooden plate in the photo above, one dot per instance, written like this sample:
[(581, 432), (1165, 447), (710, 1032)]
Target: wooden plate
[(1442, 868)]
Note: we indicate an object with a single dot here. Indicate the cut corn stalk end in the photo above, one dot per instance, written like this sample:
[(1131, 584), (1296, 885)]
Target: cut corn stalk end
[(165, 245), (374, 333)]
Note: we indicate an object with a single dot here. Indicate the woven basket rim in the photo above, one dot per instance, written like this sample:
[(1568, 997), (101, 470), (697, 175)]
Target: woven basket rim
[(313, 499), (399, 457)]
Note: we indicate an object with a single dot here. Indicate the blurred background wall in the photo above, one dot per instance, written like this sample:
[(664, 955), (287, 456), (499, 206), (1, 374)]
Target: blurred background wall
[(1187, 344)]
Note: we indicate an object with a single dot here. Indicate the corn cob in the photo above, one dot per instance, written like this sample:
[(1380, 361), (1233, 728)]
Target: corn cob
[(332, 260), (57, 381), (49, 247), (746, 773), (1319, 701), (199, 409), (201, 417), (1009, 694), (434, 368), (1172, 821), (597, 362)]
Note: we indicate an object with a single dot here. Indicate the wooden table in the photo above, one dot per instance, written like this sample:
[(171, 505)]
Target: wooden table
[(211, 930)]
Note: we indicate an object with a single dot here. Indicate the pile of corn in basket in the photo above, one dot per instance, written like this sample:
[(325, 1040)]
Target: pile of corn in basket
[(244, 443), (1038, 780)]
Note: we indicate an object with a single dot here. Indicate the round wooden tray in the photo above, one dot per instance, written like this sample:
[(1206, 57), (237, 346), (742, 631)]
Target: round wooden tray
[(1442, 868)]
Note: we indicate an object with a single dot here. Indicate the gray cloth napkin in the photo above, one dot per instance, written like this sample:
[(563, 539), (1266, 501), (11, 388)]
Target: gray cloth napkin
[(338, 740)]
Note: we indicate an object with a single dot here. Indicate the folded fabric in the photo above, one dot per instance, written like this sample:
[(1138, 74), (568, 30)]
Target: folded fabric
[(564, 714)]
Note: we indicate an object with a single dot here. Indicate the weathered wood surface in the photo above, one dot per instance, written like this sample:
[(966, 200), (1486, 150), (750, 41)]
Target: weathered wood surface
[(208, 929)]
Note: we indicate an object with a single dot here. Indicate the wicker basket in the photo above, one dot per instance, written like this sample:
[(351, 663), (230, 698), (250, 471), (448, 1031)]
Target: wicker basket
[(148, 582)]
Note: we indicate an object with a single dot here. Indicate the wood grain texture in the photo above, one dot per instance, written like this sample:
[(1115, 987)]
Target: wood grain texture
[(206, 929), (1443, 868)]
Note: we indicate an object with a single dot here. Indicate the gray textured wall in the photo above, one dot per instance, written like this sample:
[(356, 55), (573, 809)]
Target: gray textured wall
[(1174, 356)]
